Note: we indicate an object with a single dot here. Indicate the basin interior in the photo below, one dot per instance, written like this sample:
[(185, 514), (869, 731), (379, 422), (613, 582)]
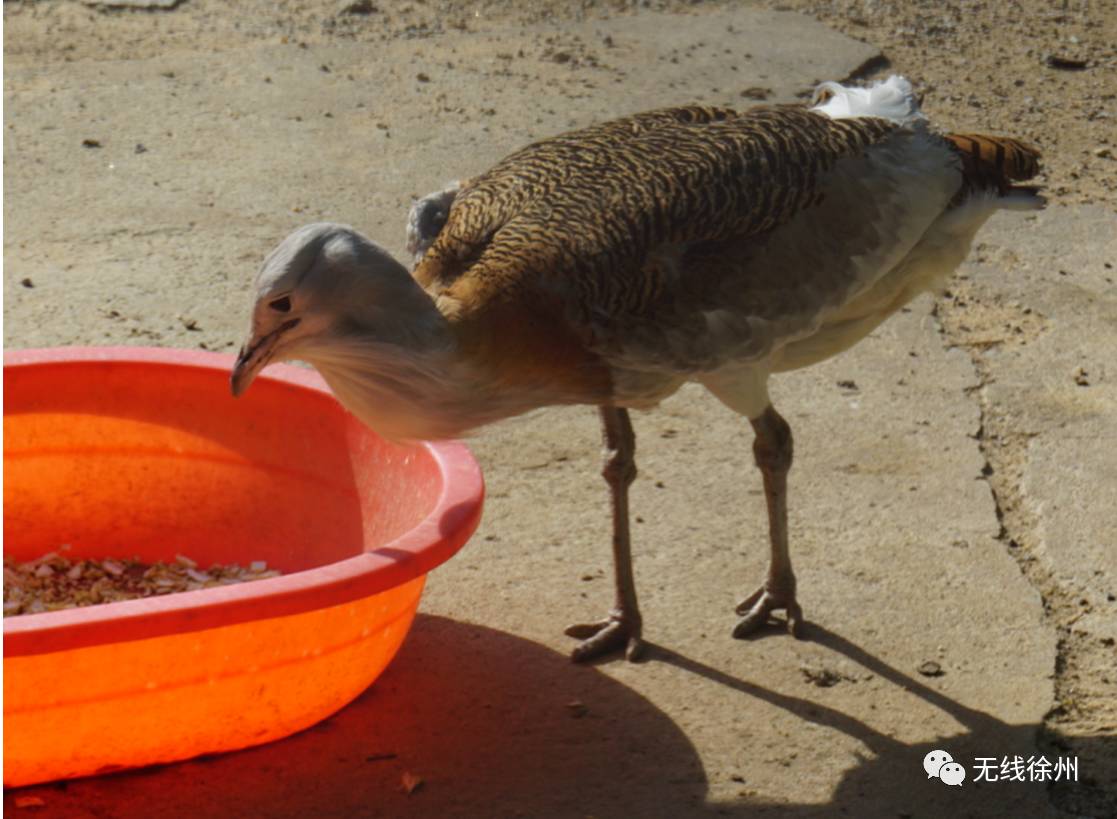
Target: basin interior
[(150, 459), (123, 453)]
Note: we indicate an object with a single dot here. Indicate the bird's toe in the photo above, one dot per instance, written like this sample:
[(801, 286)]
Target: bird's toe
[(745, 606), (794, 620), (758, 607), (605, 637), (584, 631), (750, 624)]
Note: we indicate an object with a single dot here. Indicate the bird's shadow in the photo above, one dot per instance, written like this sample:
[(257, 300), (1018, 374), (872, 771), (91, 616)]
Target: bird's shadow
[(495, 725), (890, 781)]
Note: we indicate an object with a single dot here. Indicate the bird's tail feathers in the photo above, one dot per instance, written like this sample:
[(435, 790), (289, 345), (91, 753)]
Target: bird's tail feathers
[(994, 163), (891, 99)]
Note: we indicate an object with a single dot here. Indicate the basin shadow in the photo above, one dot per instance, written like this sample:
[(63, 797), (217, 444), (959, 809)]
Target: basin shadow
[(495, 725)]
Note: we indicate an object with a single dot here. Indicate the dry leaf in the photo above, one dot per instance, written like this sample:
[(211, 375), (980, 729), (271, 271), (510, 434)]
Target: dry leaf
[(411, 782)]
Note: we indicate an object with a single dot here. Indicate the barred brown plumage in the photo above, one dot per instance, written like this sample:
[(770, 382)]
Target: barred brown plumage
[(610, 265), (591, 203), (994, 162)]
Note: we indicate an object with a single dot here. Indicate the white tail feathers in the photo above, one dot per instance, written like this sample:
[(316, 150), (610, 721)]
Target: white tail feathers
[(889, 99)]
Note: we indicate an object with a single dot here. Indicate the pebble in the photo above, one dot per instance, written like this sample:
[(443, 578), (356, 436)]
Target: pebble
[(930, 669), (359, 7)]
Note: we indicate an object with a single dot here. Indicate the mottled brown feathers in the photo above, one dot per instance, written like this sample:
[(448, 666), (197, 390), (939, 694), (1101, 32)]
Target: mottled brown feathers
[(993, 163), (600, 209)]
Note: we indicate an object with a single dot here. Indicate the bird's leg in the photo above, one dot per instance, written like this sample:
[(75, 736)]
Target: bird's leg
[(772, 449), (621, 629)]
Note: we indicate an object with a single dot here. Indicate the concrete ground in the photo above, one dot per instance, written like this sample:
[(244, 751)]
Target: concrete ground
[(954, 495)]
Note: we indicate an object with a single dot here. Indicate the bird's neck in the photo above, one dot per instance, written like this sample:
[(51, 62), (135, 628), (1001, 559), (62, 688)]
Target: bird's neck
[(410, 379)]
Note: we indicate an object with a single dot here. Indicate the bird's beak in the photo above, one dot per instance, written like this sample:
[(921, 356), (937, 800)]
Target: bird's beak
[(254, 356)]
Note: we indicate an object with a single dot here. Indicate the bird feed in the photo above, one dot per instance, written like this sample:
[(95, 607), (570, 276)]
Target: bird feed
[(54, 581)]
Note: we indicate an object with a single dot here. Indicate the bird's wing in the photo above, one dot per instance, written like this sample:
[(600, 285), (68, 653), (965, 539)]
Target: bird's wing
[(680, 239), (528, 177)]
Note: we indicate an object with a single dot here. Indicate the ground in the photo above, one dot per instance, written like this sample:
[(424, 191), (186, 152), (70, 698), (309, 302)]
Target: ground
[(954, 495)]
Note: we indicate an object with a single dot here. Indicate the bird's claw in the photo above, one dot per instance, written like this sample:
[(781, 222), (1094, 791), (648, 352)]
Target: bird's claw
[(757, 607), (606, 636)]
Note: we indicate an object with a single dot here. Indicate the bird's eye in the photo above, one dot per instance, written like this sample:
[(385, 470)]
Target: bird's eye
[(282, 304)]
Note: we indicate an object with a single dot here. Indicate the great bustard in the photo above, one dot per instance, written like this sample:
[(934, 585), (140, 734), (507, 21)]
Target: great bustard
[(610, 265)]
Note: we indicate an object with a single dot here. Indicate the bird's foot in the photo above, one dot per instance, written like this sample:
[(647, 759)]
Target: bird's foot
[(760, 604), (618, 631)]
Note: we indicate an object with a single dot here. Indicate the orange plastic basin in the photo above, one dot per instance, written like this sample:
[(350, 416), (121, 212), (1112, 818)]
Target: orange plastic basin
[(127, 451)]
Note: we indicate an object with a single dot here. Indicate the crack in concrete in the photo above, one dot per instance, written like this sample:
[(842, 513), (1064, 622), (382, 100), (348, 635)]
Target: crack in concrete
[(1005, 452)]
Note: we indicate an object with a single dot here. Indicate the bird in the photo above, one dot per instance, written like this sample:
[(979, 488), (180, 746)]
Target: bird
[(608, 266)]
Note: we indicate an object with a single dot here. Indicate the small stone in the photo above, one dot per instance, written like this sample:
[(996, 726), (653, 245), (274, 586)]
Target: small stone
[(1065, 63), (930, 669), (164, 5), (823, 677), (1103, 153), (91, 143), (26, 282), (421, 77), (577, 709), (360, 7)]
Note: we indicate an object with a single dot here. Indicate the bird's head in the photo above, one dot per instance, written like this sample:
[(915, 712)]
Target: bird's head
[(323, 284)]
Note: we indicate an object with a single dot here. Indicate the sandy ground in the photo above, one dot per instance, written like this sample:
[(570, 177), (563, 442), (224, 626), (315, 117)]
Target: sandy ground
[(954, 494)]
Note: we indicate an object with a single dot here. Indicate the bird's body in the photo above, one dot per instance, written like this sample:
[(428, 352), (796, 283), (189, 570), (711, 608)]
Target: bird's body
[(611, 265)]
